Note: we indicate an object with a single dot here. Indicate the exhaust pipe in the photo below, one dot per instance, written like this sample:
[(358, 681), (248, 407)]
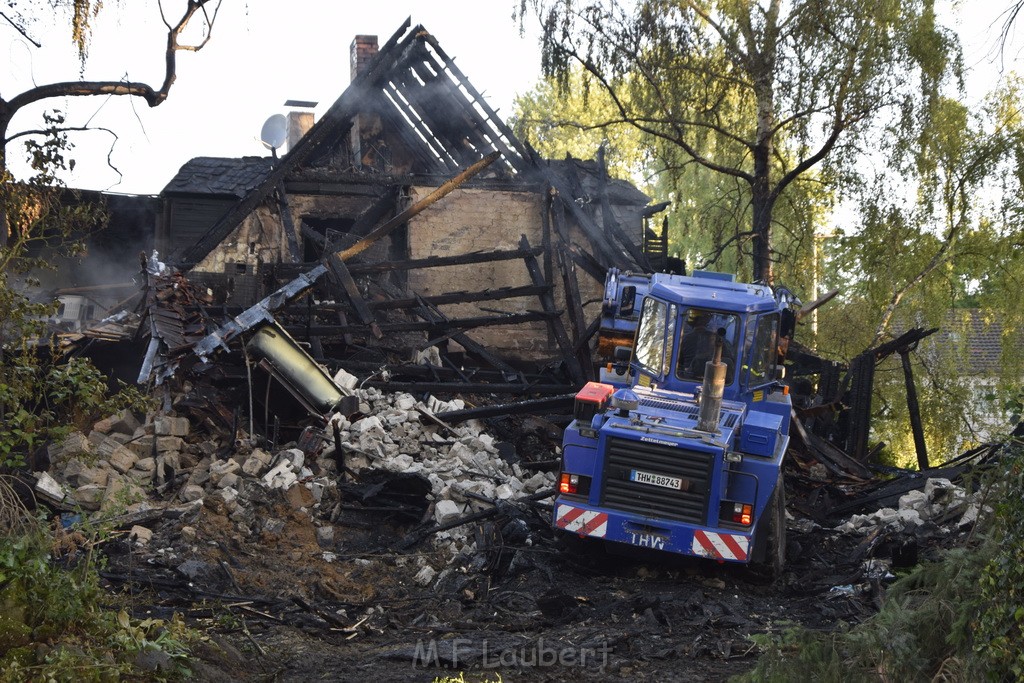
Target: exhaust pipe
[(711, 391)]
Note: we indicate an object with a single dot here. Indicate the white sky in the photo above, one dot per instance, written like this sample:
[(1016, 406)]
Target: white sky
[(264, 52)]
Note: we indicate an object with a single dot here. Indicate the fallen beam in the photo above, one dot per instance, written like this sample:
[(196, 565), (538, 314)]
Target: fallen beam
[(441, 261), (402, 218), (417, 388), (530, 407), (458, 323)]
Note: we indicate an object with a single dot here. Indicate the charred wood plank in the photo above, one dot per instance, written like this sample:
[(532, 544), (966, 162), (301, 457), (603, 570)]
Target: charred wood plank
[(520, 162), (555, 325), (341, 275), (467, 387), (607, 254), (414, 538), (460, 297), (573, 300), (486, 135), (460, 324), (441, 261), (390, 226), (590, 265), (536, 406), (308, 233), (608, 218), (574, 306), (914, 408), (288, 224), (434, 314)]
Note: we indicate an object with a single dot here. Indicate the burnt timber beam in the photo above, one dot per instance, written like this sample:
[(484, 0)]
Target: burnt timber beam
[(536, 406), (341, 276), (313, 236), (554, 323), (287, 225), (601, 239), (914, 408), (574, 305), (608, 218), (480, 125), (411, 302), (584, 259), (478, 101), (330, 188), (427, 107), (433, 313), (425, 137), (460, 324), (399, 220), (441, 261), (461, 297), (416, 388)]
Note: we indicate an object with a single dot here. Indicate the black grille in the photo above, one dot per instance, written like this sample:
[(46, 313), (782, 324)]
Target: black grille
[(728, 420), (685, 506), (675, 406)]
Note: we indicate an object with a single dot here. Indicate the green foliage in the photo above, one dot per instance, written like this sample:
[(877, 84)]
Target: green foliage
[(759, 93), (53, 622), (956, 620), (42, 395), (999, 629)]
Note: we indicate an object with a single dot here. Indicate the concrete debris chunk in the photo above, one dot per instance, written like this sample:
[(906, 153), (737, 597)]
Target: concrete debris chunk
[(76, 474), (47, 487), (90, 496), (74, 445), (446, 511), (122, 459), (145, 464), (191, 492), (124, 422), (140, 535), (165, 425), (425, 576), (346, 380), (221, 468), (325, 536)]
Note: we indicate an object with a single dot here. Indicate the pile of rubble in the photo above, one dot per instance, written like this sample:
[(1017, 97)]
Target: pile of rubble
[(127, 465), (940, 503)]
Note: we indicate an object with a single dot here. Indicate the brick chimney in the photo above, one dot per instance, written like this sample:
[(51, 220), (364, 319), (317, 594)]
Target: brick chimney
[(299, 123), (366, 135), (299, 120), (364, 48)]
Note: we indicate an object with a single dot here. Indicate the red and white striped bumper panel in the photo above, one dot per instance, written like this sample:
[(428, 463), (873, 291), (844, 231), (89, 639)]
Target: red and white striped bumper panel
[(720, 546), (582, 522)]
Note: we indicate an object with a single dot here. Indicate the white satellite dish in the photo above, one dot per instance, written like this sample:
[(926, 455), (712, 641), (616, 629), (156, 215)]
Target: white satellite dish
[(274, 132)]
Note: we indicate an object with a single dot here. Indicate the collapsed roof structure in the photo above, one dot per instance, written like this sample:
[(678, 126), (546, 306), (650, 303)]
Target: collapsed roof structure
[(436, 225)]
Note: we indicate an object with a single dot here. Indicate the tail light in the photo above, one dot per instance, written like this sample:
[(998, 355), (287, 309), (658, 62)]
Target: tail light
[(737, 513), (574, 484)]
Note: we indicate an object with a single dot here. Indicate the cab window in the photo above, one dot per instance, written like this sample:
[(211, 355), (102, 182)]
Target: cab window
[(762, 350), (701, 330), (657, 324)]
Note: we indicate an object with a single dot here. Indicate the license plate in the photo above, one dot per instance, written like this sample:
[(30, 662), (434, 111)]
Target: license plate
[(656, 479)]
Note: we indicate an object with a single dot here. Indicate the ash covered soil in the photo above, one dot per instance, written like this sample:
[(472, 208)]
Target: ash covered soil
[(326, 563)]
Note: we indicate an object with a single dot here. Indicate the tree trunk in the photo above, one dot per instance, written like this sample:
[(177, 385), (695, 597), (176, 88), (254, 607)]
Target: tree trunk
[(762, 223)]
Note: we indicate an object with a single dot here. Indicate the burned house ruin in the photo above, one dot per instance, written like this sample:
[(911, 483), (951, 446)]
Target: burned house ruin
[(437, 227)]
